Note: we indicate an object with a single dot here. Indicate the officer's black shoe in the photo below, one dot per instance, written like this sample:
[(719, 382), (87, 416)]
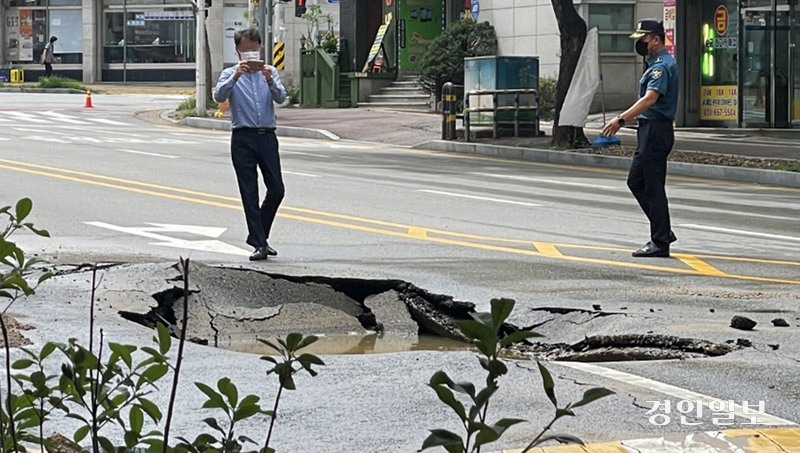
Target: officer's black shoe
[(261, 253), (271, 251), (672, 237), (651, 250)]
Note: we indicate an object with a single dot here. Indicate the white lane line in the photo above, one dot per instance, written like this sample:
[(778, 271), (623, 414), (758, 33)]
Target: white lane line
[(547, 181), (297, 173), (741, 232), (475, 197), (106, 121), (40, 131), (667, 389), (300, 153), (132, 151), (4, 139), (64, 118), (27, 117)]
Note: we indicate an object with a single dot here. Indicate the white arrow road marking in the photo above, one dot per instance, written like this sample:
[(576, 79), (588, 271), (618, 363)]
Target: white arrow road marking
[(475, 197), (547, 181), (667, 389), (210, 232), (741, 232), (166, 241), (131, 151), (28, 117)]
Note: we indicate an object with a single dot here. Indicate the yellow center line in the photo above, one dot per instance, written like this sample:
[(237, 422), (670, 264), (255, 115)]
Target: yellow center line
[(543, 249)]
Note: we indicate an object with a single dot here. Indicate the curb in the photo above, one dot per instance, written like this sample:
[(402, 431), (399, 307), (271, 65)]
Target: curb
[(737, 174), (42, 90), (728, 441), (283, 131)]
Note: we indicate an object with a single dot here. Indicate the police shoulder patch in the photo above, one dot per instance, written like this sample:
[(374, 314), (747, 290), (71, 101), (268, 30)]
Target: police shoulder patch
[(659, 60), (656, 73)]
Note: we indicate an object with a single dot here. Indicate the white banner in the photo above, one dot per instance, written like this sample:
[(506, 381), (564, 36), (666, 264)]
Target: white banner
[(584, 84)]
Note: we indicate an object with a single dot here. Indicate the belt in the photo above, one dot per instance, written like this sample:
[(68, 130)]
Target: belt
[(256, 130), (654, 120)]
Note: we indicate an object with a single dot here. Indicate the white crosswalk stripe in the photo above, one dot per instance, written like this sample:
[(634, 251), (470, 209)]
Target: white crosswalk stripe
[(16, 118)]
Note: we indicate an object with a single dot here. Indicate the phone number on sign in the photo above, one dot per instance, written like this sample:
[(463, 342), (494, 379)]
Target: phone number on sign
[(720, 113)]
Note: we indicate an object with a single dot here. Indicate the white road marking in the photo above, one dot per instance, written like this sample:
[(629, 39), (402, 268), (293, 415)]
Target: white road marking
[(27, 117), (40, 131), (547, 181), (741, 232), (4, 139), (107, 121), (300, 153), (475, 197), (64, 118), (204, 245), (666, 389), (131, 151), (211, 232), (297, 173)]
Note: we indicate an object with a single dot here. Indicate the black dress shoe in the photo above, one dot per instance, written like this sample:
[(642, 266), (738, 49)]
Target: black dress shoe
[(672, 237), (271, 251), (651, 250), (261, 253)]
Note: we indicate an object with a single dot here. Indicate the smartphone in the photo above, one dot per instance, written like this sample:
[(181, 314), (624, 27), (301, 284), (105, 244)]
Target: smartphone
[(255, 65)]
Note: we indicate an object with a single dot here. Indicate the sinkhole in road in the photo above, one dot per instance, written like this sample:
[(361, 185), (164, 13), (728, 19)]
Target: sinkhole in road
[(232, 308)]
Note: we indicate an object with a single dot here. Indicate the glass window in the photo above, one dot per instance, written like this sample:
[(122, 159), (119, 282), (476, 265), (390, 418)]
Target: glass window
[(27, 3), (65, 2), (150, 36), (67, 25), (25, 35), (615, 24)]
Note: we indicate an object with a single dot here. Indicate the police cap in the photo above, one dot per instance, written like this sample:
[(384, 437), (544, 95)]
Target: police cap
[(647, 26)]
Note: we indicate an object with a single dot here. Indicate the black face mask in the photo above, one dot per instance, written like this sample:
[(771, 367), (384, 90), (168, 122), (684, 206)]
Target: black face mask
[(641, 48)]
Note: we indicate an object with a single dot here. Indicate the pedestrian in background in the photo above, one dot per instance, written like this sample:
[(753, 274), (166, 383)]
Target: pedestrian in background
[(655, 111), (48, 56), (251, 88)]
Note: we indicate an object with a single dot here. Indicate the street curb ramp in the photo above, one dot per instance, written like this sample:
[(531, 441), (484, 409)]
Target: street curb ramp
[(719, 172), (282, 131)]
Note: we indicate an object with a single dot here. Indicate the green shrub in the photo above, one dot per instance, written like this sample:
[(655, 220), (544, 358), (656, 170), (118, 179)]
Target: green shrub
[(547, 98), (444, 60), (61, 82)]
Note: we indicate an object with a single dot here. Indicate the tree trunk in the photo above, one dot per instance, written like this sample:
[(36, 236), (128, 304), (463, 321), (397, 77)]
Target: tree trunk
[(573, 34)]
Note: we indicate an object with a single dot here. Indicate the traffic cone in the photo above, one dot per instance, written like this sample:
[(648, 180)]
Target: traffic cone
[(88, 103)]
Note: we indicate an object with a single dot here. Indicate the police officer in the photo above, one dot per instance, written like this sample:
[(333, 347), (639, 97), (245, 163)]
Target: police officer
[(655, 112)]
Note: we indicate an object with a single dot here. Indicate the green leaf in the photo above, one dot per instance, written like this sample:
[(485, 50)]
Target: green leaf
[(137, 419), (227, 388), (501, 309), (124, 351), (23, 208), (245, 412), (288, 383), (45, 276), (150, 409), (446, 396), (442, 438), (563, 438), (47, 349), (293, 341), (81, 433), (270, 344), (308, 360), (131, 439), (484, 335), (22, 364), (154, 373), (497, 368), (563, 412), (214, 399), (484, 318), (549, 385), (105, 444), (307, 341), (517, 337), (593, 394), (269, 359), (43, 233), (249, 400), (212, 422), (164, 339)]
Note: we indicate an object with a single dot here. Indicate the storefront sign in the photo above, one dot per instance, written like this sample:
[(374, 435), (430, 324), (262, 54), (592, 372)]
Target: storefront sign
[(719, 102), (669, 26), (721, 20)]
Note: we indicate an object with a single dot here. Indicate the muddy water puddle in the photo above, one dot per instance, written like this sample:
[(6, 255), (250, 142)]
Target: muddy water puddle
[(357, 344)]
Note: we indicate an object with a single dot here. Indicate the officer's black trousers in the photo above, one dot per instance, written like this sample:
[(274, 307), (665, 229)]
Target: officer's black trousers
[(252, 149), (648, 175)]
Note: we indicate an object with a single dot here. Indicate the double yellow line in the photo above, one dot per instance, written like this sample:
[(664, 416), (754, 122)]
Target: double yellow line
[(694, 264)]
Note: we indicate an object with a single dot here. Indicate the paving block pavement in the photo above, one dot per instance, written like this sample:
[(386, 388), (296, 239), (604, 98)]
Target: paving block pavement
[(768, 440)]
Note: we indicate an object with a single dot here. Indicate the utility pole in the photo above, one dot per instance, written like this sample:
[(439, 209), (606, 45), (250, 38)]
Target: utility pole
[(200, 92), (268, 49), (261, 27)]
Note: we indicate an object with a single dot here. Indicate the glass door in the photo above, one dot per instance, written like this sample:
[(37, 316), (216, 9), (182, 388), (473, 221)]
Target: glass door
[(766, 64)]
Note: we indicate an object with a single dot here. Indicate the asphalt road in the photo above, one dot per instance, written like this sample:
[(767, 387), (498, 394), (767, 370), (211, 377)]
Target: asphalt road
[(110, 187)]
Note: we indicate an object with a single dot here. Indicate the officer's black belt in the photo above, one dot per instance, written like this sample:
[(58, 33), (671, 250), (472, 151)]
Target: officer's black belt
[(256, 130)]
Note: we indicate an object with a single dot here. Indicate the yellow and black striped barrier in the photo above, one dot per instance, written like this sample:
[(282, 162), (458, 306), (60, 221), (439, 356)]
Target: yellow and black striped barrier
[(448, 111), (279, 55)]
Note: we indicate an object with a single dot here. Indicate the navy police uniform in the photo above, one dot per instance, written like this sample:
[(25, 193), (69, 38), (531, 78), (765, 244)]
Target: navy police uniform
[(655, 138)]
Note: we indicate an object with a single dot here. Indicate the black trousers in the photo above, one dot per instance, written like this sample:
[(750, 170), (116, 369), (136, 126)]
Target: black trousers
[(253, 149), (48, 69), (648, 176)]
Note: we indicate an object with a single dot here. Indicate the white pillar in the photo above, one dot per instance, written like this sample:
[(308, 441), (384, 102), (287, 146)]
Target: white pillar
[(92, 44), (200, 72)]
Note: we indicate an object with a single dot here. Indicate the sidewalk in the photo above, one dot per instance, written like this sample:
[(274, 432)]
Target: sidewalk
[(773, 440), (742, 155)]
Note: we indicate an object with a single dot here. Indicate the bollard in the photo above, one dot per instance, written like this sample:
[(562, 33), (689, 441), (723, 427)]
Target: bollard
[(448, 111), (466, 117)]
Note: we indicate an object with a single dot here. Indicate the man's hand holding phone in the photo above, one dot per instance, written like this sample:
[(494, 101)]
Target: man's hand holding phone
[(267, 72)]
